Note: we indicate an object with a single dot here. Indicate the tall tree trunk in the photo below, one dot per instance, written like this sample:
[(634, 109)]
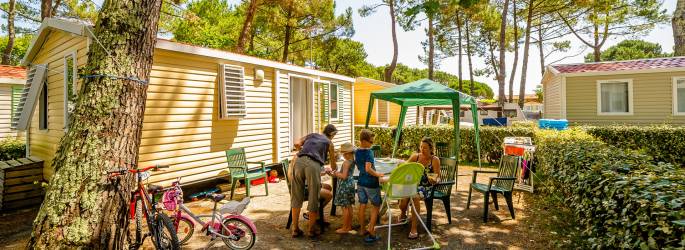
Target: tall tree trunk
[(541, 47), (516, 54), (678, 23), (595, 48), (252, 35), (288, 31), (468, 56), (82, 208), (247, 25), (431, 48), (7, 53), (45, 9), (526, 47), (461, 80), (395, 51), (502, 52)]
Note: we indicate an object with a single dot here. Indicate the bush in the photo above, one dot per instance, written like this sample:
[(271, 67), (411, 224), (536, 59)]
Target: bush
[(620, 197), (490, 140), (12, 148), (664, 143)]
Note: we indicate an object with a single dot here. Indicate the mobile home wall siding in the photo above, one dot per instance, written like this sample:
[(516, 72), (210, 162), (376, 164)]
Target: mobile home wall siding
[(181, 127), (284, 114), (552, 100), (362, 95), (345, 121), (44, 143), (652, 99), (6, 111)]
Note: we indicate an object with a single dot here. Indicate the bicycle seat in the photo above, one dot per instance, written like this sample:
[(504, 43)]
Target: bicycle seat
[(216, 197), (154, 188)]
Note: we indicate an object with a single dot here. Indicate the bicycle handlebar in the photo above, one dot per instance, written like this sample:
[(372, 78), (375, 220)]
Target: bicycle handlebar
[(133, 171)]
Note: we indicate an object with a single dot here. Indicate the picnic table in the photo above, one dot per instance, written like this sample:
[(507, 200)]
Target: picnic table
[(383, 165)]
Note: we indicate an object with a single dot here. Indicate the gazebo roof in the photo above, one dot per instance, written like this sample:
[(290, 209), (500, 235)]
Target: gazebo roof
[(423, 92)]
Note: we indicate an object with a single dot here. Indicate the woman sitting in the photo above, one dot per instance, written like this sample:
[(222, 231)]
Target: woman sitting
[(431, 164)]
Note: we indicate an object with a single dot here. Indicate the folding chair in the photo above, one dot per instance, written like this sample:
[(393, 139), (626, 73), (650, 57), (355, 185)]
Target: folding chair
[(403, 183)]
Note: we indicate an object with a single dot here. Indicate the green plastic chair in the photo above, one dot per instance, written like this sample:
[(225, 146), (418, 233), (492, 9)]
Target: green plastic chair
[(403, 183), (442, 190), (376, 151), (502, 184), (238, 168)]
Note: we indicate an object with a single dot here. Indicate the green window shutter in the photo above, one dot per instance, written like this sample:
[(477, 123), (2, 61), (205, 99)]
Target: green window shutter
[(16, 97)]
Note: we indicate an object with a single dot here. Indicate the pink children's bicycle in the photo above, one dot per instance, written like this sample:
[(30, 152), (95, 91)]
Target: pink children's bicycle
[(236, 231)]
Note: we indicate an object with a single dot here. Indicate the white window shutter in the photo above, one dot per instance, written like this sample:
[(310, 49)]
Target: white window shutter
[(27, 103), (232, 98)]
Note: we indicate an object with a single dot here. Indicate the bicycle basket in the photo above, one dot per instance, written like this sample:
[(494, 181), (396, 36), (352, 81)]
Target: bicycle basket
[(169, 200)]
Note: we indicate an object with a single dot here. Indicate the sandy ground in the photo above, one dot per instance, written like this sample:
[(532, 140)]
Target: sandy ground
[(270, 213)]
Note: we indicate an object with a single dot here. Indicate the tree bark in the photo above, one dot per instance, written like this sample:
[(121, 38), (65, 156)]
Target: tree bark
[(678, 23), (541, 48), (247, 25), (7, 53), (288, 30), (395, 50), (526, 47), (468, 56), (431, 48), (516, 54), (82, 208), (502, 52), (45, 9), (595, 49), (461, 82)]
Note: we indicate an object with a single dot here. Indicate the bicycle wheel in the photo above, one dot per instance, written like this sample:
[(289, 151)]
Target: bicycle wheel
[(163, 233), (244, 237), (185, 229), (139, 221)]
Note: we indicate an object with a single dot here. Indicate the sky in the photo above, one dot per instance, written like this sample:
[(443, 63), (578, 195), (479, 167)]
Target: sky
[(374, 32)]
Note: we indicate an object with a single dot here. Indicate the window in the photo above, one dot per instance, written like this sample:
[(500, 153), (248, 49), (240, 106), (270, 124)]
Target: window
[(43, 108), (382, 110), (70, 87), (511, 113), (232, 87), (615, 97), (679, 96), (333, 100), (483, 112), (462, 113)]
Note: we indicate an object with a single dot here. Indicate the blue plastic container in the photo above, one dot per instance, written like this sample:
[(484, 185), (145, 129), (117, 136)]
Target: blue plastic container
[(502, 121), (560, 124)]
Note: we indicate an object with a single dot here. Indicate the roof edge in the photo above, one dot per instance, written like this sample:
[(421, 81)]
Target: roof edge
[(48, 25), (376, 82), (624, 72), (214, 53)]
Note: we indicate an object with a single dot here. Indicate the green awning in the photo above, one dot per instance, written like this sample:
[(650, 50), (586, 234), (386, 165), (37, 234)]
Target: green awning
[(426, 92)]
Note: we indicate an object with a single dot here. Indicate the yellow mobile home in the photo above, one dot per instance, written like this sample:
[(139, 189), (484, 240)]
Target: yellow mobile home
[(645, 91), (200, 102), (384, 113)]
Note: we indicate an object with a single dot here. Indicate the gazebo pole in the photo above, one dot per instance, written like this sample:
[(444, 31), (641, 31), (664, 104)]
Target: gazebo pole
[(476, 130), (398, 132), (368, 114), (457, 137)]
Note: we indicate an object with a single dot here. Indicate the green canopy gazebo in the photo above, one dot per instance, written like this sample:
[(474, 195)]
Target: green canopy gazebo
[(425, 92)]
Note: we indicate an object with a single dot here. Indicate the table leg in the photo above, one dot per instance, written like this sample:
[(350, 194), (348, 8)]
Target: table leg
[(335, 187)]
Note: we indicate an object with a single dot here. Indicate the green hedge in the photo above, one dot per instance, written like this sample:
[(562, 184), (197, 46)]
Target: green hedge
[(491, 139), (664, 143), (11, 148), (620, 197)]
